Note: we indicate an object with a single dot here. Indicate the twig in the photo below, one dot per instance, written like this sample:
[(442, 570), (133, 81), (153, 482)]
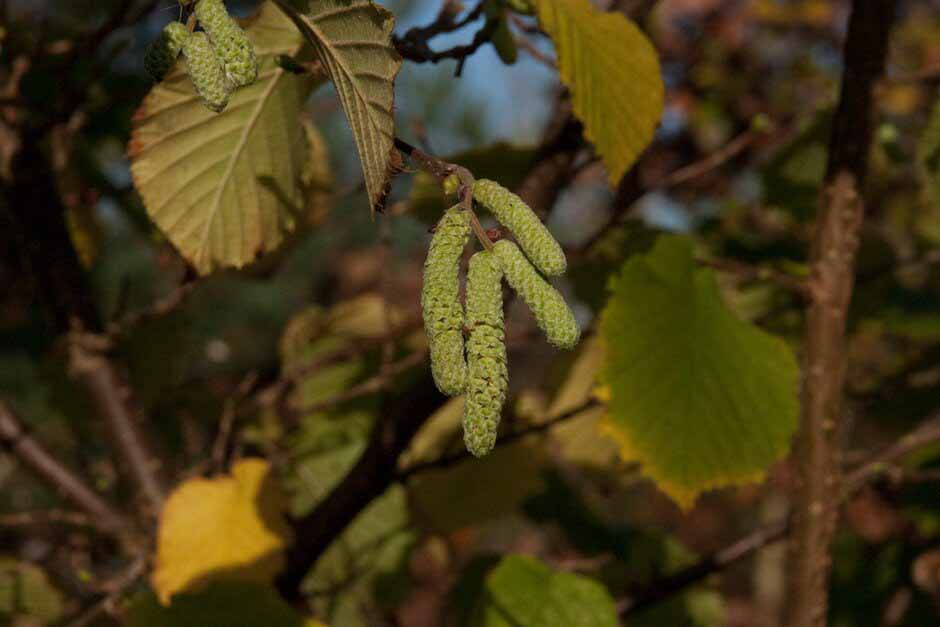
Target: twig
[(452, 459), (371, 385), (795, 284), (114, 401), (108, 602), (102, 516), (709, 163), (415, 44), (45, 517), (924, 435), (832, 264)]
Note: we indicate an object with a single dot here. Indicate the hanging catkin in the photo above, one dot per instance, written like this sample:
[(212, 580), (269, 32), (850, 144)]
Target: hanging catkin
[(538, 244), (440, 302), (551, 312), (231, 43), (487, 374), (206, 72)]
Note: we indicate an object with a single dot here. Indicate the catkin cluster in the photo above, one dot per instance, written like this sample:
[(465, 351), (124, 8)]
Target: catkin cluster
[(478, 367), (219, 59)]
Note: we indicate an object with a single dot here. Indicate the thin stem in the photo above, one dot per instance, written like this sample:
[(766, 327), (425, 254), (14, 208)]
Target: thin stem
[(13, 436), (115, 402)]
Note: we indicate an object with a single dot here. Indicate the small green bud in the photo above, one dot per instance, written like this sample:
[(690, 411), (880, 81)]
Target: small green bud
[(451, 184), (487, 373), (548, 306), (505, 43), (440, 302), (162, 52), (539, 245), (231, 43), (206, 72)]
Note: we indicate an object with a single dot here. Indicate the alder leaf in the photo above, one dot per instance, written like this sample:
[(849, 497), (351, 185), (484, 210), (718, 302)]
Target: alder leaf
[(524, 591), (226, 528), (700, 398), (225, 188), (353, 41), (613, 73)]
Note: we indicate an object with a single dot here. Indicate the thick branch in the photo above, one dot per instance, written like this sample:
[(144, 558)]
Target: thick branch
[(13, 436), (375, 471), (832, 264)]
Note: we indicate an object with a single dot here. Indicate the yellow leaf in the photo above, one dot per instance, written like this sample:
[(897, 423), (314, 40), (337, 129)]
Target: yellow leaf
[(230, 527), (613, 73)]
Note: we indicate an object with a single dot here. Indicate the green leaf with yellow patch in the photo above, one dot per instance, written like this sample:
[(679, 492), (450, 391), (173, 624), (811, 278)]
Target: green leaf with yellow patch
[(700, 398)]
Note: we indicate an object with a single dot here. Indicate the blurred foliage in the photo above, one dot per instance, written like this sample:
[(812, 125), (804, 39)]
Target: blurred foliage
[(446, 546)]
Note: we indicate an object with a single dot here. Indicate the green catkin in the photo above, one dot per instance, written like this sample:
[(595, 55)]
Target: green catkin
[(206, 72), (487, 374), (548, 306), (539, 245), (231, 43), (162, 52), (440, 302)]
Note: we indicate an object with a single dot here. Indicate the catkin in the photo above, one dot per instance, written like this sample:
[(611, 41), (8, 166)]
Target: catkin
[(551, 312), (539, 245), (440, 302), (206, 72), (487, 374), (231, 43), (162, 52)]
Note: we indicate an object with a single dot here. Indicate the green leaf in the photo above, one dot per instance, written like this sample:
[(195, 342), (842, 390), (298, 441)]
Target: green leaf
[(793, 176), (25, 592), (524, 591), (700, 398), (222, 604), (613, 73), (353, 41), (224, 188)]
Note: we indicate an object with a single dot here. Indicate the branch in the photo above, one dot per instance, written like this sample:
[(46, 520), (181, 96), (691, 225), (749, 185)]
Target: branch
[(375, 471), (832, 264), (452, 459), (924, 435), (415, 44), (13, 437), (114, 401)]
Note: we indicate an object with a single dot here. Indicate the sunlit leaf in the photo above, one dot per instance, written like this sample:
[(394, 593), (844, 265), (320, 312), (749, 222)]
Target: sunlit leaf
[(524, 591), (700, 398), (352, 39), (229, 527), (225, 188), (613, 73)]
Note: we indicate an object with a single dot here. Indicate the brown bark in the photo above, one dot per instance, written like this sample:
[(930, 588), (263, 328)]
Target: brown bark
[(832, 264)]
